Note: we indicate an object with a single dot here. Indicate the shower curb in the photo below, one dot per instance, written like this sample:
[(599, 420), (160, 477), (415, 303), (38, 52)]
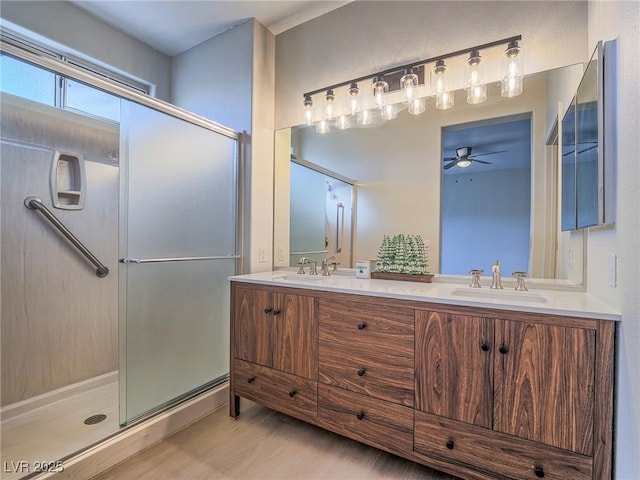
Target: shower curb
[(132, 441)]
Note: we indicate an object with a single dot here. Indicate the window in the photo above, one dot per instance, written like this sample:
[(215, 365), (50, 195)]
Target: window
[(23, 79)]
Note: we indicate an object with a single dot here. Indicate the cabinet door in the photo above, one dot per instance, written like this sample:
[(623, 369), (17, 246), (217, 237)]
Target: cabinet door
[(295, 334), (252, 318), (544, 384), (454, 366)]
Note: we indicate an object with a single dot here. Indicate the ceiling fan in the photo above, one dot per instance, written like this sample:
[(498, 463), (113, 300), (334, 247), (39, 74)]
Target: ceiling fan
[(464, 158)]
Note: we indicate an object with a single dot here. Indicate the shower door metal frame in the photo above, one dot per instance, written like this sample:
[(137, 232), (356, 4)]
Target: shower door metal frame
[(13, 48)]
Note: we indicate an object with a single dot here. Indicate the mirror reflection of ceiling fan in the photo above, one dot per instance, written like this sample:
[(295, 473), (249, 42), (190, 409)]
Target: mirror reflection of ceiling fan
[(464, 158)]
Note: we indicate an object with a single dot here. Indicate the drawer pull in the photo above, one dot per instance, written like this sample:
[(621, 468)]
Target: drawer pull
[(362, 326), (292, 393), (484, 347), (360, 415), (361, 371), (503, 349), (268, 310), (251, 379), (539, 471), (276, 311), (450, 444)]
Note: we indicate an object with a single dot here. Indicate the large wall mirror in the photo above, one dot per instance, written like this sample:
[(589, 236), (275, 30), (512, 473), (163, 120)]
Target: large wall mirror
[(403, 186)]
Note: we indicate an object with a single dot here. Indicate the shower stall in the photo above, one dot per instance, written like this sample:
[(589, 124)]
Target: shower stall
[(117, 238)]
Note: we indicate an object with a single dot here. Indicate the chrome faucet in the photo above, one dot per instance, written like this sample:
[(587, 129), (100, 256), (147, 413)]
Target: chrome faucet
[(307, 261), (326, 263), (475, 278), (520, 276), (496, 283)]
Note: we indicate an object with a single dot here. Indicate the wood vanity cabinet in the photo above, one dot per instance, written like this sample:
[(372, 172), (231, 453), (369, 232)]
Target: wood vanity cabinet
[(476, 392), (274, 348)]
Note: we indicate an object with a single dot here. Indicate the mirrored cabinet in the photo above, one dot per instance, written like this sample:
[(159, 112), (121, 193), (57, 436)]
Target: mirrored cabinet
[(588, 145)]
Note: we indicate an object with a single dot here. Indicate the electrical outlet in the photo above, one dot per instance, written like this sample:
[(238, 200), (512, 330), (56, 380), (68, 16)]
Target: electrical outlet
[(262, 254), (570, 259), (613, 270)]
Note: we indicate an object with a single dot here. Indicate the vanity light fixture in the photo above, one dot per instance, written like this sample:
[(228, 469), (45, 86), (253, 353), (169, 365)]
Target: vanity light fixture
[(512, 71), (474, 81), (308, 110), (409, 81), (380, 87), (329, 105)]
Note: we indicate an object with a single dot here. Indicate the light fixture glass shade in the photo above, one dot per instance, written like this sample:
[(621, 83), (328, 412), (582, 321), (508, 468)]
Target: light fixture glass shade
[(408, 85), (354, 99), (329, 105), (439, 79), (417, 106), (389, 111), (444, 100), (343, 122), (463, 163), (474, 79), (380, 87), (365, 117), (307, 110), (323, 126), (512, 71)]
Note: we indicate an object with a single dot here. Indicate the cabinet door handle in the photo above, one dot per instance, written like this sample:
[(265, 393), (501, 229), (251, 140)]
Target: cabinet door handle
[(362, 326), (360, 415), (503, 349), (484, 347), (292, 393), (361, 372), (268, 310), (450, 444), (251, 379), (276, 311), (539, 471)]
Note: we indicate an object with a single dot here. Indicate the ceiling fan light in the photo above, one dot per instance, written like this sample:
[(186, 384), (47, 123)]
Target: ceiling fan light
[(463, 163)]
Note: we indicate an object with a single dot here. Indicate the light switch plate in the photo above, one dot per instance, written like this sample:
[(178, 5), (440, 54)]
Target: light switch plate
[(613, 270)]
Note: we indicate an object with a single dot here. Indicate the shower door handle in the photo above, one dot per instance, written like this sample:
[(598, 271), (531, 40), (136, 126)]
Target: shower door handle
[(34, 203)]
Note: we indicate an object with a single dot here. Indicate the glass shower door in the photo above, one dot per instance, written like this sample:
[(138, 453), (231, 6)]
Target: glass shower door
[(178, 245)]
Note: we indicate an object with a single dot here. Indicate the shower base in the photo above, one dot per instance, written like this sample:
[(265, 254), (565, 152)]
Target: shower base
[(39, 432)]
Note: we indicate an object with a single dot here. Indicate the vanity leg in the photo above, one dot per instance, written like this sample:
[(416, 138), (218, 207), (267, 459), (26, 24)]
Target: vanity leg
[(234, 405)]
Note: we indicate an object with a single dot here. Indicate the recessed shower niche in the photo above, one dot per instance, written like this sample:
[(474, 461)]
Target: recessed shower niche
[(68, 181)]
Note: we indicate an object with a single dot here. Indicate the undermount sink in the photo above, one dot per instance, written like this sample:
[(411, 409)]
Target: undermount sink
[(489, 294)]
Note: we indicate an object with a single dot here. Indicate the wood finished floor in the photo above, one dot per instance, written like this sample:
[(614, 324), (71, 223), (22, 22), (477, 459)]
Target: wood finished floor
[(263, 444)]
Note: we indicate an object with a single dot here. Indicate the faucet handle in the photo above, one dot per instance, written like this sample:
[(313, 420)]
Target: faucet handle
[(475, 277), (520, 276)]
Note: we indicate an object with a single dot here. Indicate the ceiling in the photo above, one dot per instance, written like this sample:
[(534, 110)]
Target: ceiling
[(173, 26)]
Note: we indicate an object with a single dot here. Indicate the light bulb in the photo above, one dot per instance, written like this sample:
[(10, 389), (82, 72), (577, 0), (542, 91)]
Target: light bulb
[(379, 89), (343, 122), (512, 71), (329, 105), (365, 117), (417, 106), (444, 100), (389, 112), (308, 110), (353, 99), (474, 83), (408, 85), (323, 126), (463, 163)]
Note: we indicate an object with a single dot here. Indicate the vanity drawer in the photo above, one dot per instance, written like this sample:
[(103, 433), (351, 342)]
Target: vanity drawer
[(383, 375), (286, 393), (375, 422), (374, 329), (502, 456)]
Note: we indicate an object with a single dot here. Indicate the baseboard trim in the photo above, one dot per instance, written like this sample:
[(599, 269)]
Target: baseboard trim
[(118, 448)]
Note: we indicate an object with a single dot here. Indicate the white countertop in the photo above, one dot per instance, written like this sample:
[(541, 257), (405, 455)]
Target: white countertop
[(576, 304)]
